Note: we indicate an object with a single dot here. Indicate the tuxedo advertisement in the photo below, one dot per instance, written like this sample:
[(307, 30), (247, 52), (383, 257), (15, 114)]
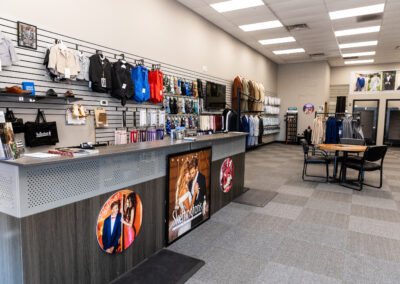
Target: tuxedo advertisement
[(119, 221), (374, 81), (188, 192)]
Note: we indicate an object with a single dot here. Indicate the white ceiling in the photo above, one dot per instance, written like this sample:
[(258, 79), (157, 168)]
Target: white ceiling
[(319, 38)]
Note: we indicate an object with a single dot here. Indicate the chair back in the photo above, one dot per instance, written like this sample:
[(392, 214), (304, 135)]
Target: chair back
[(304, 144), (352, 141), (375, 153)]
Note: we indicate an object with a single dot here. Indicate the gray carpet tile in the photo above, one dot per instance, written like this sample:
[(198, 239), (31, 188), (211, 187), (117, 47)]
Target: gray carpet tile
[(280, 210), (329, 205), (250, 242), (290, 199), (364, 269), (310, 232), (311, 257), (382, 248), (318, 234), (276, 273), (374, 227), (375, 213), (325, 218)]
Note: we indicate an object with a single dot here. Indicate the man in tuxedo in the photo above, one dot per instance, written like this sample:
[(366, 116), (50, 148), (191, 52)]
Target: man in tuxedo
[(197, 185), (112, 229), (388, 81)]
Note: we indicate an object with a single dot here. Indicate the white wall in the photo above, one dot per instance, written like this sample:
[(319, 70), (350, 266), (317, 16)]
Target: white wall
[(163, 30), (299, 84), (341, 75)]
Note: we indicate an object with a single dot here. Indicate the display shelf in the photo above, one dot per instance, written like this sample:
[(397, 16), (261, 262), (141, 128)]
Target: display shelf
[(32, 99), (183, 114), (180, 96)]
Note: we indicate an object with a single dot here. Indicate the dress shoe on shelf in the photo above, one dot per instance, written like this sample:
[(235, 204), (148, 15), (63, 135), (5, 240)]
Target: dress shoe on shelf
[(51, 93), (69, 94), (82, 111), (17, 90), (75, 111)]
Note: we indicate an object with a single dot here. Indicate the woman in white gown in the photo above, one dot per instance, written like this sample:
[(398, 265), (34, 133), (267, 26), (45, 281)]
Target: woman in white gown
[(184, 199)]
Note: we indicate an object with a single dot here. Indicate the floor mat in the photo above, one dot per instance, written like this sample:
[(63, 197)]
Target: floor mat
[(256, 197), (164, 267)]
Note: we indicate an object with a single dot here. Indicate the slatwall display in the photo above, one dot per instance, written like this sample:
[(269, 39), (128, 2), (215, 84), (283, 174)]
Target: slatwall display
[(30, 68)]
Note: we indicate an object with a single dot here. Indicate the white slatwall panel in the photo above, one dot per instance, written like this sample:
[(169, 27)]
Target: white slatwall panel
[(31, 68)]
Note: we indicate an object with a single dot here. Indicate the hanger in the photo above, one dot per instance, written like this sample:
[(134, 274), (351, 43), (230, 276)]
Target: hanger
[(139, 62), (156, 67)]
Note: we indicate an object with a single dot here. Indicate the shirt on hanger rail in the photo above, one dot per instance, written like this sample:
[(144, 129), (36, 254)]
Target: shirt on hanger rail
[(100, 73), (8, 56)]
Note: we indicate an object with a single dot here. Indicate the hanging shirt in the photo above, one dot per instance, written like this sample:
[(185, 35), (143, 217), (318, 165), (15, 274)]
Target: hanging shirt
[(331, 131), (141, 84), (156, 86), (84, 64), (318, 131), (62, 59), (8, 56), (347, 127), (122, 85)]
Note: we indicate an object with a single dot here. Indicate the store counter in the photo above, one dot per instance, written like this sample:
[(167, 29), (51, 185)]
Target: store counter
[(49, 207)]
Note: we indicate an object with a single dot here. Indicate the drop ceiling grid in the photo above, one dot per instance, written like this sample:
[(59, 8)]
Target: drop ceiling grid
[(320, 37)]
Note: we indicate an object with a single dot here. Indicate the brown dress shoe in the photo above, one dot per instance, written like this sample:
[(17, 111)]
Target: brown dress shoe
[(69, 94), (17, 90)]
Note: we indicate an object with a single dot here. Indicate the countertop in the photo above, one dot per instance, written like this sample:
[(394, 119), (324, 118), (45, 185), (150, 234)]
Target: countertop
[(121, 149)]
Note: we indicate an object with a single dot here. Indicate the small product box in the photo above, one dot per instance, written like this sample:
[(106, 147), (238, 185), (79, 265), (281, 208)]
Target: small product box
[(29, 86)]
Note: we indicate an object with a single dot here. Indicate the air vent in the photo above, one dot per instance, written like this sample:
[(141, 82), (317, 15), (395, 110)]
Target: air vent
[(352, 57), (367, 18), (319, 54), (298, 27)]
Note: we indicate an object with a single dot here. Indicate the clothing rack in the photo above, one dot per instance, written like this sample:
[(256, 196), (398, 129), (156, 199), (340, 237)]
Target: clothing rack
[(336, 113)]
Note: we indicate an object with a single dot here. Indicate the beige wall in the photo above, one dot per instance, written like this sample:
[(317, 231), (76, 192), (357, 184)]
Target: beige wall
[(341, 75), (163, 30), (299, 84)]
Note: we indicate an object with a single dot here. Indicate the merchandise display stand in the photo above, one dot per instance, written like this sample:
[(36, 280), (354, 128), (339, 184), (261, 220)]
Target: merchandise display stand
[(291, 128)]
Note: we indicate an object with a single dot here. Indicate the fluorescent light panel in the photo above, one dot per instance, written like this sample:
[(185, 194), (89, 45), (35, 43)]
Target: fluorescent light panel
[(358, 44), (366, 10), (277, 40), (366, 53), (359, 61), (261, 26), (233, 5), (365, 30), (289, 51)]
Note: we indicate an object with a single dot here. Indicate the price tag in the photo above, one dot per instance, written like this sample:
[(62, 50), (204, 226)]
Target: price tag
[(2, 117), (142, 116), (144, 90), (67, 73), (161, 117), (153, 118), (103, 83), (90, 84), (124, 86)]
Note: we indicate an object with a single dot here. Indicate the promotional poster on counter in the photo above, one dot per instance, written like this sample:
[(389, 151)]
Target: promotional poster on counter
[(119, 221), (188, 191), (226, 175)]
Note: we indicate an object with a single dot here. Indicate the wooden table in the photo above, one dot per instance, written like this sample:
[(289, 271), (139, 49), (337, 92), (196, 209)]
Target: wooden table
[(345, 148)]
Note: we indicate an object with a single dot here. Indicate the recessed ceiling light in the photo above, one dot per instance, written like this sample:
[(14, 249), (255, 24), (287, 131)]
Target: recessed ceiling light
[(261, 26), (366, 53), (367, 10), (366, 30), (289, 51), (359, 61), (277, 40), (232, 5), (358, 44)]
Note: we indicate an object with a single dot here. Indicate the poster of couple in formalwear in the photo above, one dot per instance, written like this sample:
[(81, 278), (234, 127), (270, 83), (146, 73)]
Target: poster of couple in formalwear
[(188, 191)]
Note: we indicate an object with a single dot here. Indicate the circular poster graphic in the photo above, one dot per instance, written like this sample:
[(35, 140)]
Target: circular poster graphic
[(226, 175), (308, 108), (119, 221)]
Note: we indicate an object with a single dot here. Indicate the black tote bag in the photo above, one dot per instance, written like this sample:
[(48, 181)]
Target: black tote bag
[(40, 132), (17, 123)]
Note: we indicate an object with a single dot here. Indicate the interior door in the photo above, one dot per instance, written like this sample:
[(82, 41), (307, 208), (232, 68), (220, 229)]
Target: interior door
[(369, 111)]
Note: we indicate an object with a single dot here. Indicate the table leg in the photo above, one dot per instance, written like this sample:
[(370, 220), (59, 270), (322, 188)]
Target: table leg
[(335, 164), (344, 161)]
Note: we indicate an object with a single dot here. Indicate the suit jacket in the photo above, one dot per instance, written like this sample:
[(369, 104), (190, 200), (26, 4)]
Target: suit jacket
[(237, 83), (96, 70), (389, 86), (111, 239)]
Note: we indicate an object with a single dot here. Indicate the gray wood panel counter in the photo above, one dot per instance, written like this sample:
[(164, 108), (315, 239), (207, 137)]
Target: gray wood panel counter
[(49, 207)]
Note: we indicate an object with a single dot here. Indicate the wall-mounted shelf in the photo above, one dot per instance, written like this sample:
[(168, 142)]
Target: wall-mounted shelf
[(33, 99), (170, 95)]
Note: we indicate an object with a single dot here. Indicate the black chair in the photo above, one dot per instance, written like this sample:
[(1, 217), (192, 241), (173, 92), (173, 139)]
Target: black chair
[(368, 163), (315, 156)]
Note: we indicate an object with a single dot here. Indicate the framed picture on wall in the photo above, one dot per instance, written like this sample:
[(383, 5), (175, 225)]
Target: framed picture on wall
[(27, 35), (188, 192), (388, 82)]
